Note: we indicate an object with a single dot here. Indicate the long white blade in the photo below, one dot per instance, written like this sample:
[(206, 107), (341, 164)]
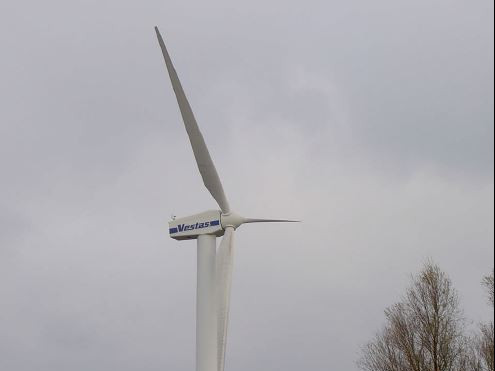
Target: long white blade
[(225, 260), (203, 159), (257, 220)]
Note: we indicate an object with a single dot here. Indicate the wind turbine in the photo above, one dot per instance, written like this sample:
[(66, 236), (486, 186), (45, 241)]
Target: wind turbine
[(214, 278)]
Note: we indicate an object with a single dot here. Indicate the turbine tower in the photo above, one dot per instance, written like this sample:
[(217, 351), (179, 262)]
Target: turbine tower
[(214, 278)]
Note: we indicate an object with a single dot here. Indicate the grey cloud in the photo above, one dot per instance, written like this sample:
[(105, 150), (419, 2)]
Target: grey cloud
[(371, 121)]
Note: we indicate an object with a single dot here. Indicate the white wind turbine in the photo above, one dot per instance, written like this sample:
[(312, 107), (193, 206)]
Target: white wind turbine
[(214, 276)]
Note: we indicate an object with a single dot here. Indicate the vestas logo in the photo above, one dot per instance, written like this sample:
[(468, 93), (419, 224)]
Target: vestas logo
[(191, 227)]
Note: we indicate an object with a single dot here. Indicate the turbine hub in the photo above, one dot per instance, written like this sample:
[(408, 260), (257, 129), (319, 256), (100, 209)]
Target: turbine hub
[(231, 220)]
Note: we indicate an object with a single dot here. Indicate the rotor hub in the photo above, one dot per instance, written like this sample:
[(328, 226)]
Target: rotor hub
[(231, 220)]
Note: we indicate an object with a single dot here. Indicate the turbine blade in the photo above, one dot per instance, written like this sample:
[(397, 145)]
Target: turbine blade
[(225, 260), (255, 220), (203, 159)]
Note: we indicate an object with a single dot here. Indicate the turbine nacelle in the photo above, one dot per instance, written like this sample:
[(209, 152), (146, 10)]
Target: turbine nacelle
[(190, 227), (209, 222)]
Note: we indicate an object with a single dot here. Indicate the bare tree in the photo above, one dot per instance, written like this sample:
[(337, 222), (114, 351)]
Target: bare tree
[(485, 346), (488, 283), (423, 332), (483, 354)]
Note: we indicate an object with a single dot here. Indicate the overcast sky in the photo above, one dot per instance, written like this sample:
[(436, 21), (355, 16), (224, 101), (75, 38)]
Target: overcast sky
[(372, 121)]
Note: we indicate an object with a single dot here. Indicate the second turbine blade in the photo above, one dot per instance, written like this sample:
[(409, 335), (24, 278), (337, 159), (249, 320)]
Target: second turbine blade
[(203, 159)]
